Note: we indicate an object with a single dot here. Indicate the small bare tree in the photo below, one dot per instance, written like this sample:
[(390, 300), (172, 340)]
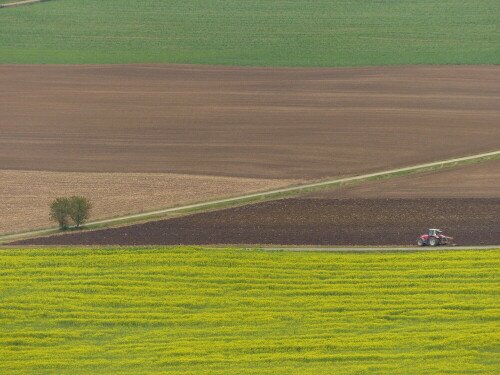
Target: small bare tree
[(59, 211)]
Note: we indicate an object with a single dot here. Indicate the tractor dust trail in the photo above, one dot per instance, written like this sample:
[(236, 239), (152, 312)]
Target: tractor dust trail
[(242, 198)]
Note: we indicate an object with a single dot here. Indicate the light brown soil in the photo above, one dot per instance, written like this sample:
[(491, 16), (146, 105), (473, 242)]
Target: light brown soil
[(25, 196), (478, 180), (244, 121)]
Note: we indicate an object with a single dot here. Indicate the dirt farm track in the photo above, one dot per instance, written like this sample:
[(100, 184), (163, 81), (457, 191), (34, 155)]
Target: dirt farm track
[(294, 123)]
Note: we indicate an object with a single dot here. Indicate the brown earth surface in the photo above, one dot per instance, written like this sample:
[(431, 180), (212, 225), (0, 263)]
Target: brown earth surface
[(309, 222), (25, 196), (243, 121), (478, 180)]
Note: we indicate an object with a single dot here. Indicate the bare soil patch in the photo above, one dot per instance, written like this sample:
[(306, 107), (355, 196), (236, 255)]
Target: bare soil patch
[(25, 196), (309, 222), (244, 121), (478, 180)]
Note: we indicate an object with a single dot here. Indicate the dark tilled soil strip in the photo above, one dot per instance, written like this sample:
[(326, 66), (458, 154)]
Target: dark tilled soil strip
[(309, 222)]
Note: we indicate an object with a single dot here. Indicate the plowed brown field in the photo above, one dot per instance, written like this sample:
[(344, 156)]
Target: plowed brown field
[(310, 222), (478, 180), (243, 121)]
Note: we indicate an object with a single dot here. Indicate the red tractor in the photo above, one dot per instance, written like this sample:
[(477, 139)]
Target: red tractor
[(434, 237)]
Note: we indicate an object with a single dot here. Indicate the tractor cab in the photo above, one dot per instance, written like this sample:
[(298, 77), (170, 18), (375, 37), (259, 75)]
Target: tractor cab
[(435, 232)]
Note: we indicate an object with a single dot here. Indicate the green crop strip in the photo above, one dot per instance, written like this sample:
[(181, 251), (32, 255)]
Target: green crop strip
[(253, 32), (230, 311)]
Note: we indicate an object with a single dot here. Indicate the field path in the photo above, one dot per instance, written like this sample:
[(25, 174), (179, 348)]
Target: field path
[(349, 249), (19, 3), (242, 198)]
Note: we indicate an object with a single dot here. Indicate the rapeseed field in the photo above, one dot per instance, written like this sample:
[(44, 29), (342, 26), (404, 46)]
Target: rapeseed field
[(235, 311)]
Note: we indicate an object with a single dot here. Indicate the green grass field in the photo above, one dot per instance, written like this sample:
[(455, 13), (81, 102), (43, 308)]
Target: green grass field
[(229, 311), (253, 32)]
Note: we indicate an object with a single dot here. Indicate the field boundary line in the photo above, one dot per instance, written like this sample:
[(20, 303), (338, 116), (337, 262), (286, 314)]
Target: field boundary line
[(272, 194), (20, 3)]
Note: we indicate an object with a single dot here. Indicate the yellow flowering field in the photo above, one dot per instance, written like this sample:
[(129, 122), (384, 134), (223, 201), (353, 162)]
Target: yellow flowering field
[(234, 311)]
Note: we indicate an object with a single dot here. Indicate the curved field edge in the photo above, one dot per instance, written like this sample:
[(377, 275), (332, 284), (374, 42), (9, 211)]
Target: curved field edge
[(253, 33), (195, 310)]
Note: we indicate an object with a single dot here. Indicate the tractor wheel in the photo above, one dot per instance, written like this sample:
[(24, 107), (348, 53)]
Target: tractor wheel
[(420, 242), (433, 241)]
